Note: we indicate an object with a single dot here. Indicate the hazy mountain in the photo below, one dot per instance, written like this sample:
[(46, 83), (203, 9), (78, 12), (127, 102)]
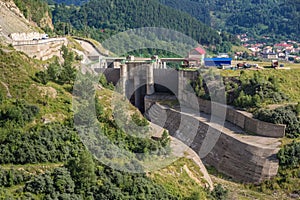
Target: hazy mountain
[(120, 15), (68, 2), (257, 17)]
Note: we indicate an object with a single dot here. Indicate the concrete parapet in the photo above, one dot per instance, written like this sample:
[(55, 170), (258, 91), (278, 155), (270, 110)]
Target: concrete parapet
[(41, 49), (242, 119)]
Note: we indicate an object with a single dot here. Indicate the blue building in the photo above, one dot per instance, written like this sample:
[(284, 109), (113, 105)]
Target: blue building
[(217, 62)]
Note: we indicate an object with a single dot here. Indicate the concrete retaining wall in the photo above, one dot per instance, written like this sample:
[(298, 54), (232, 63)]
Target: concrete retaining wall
[(41, 49), (242, 119), (230, 155)]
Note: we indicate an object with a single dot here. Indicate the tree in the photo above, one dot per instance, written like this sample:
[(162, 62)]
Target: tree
[(63, 182), (82, 169), (298, 109), (54, 71), (219, 192)]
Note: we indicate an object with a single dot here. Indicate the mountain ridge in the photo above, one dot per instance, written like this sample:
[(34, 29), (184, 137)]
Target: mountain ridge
[(276, 18)]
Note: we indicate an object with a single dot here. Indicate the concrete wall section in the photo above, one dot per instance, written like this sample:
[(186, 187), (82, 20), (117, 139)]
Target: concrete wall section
[(242, 119), (239, 159), (167, 78), (41, 49)]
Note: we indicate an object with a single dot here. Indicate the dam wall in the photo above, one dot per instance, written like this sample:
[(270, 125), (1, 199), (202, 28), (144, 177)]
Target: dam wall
[(248, 159)]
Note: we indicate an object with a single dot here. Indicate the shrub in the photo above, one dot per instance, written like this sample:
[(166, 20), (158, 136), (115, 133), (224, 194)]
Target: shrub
[(219, 192), (289, 156), (18, 112), (283, 115)]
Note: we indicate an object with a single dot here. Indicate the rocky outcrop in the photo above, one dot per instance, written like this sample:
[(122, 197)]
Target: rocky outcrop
[(46, 22), (12, 20), (243, 157)]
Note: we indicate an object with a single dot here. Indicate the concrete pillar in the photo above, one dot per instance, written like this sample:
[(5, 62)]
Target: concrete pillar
[(101, 62), (165, 65), (124, 78), (137, 92), (130, 58), (181, 85), (150, 79)]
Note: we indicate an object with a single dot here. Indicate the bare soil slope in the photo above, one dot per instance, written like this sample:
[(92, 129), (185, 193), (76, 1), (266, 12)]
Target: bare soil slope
[(12, 20)]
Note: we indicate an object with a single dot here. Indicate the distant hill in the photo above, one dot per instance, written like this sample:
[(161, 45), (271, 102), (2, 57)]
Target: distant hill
[(68, 2), (198, 10), (116, 16), (257, 17)]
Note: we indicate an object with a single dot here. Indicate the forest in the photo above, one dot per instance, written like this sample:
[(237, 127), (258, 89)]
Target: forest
[(34, 10), (67, 2), (101, 19), (278, 19)]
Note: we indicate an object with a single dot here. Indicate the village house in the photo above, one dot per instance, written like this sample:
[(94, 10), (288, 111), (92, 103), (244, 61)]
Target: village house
[(196, 56), (267, 50), (283, 45), (270, 56)]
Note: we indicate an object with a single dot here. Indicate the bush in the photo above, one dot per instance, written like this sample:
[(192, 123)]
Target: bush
[(18, 112), (48, 143), (219, 192), (11, 177), (104, 83), (283, 115), (289, 156), (58, 73)]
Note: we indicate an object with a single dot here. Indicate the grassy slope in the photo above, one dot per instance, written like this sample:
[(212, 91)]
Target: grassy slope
[(288, 80), (181, 178), (17, 71)]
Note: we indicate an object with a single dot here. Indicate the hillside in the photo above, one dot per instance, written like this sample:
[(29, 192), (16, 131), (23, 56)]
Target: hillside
[(264, 17), (42, 156), (68, 2), (46, 105), (36, 11), (13, 20), (102, 18)]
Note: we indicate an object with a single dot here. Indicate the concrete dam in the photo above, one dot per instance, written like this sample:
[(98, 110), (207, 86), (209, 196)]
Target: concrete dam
[(236, 153)]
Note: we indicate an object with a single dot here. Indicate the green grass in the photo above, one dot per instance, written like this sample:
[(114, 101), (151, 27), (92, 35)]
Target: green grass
[(33, 168), (177, 181), (74, 44), (170, 103), (240, 49), (18, 72), (288, 80), (243, 191)]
